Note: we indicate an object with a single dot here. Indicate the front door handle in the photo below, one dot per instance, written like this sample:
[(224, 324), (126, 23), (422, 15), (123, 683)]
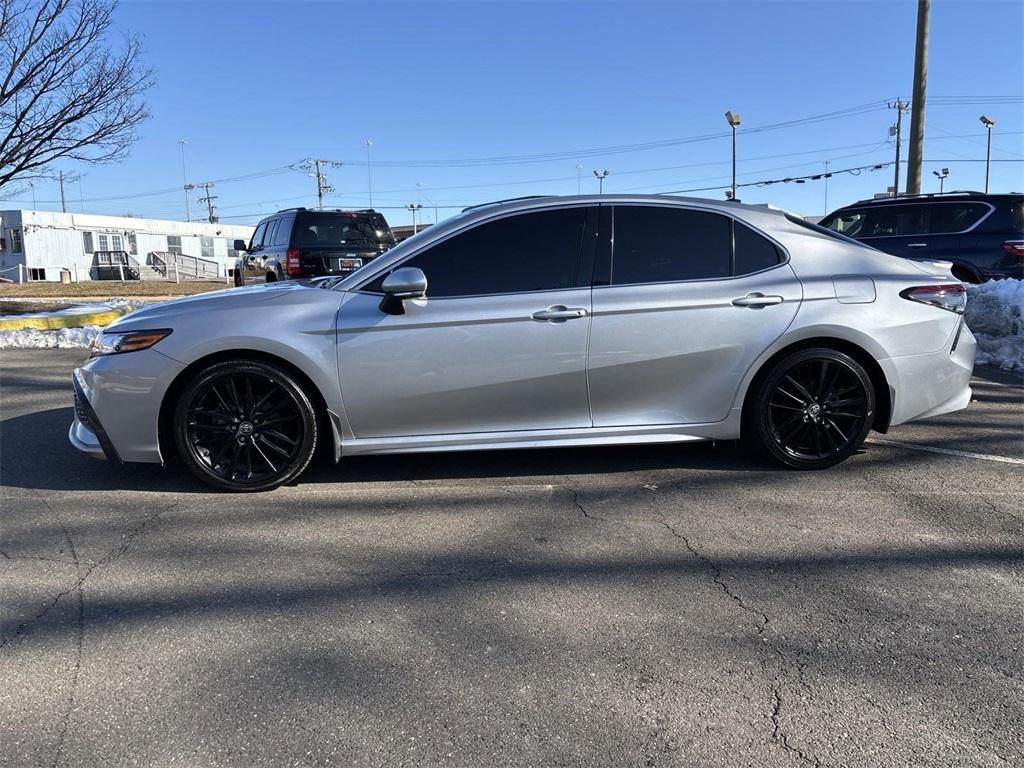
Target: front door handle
[(917, 245), (756, 300), (559, 312)]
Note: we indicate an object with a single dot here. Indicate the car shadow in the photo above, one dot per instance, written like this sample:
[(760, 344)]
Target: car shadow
[(37, 455)]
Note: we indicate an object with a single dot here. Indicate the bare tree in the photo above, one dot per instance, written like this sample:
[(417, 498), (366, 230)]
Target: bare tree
[(65, 92)]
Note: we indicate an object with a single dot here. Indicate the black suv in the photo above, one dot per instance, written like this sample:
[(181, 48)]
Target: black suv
[(982, 234), (301, 243)]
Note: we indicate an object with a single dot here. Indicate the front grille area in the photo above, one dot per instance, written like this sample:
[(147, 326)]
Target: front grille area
[(83, 415)]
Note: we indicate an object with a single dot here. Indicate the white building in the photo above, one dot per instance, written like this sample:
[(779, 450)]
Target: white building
[(37, 245)]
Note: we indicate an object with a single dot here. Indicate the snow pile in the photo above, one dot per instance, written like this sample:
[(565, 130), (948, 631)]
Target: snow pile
[(62, 338), (995, 315)]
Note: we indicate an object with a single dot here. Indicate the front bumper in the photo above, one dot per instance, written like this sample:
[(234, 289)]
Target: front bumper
[(117, 408), (932, 384)]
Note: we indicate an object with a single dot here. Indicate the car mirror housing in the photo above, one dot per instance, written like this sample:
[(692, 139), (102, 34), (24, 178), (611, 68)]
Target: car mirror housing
[(240, 245), (404, 283)]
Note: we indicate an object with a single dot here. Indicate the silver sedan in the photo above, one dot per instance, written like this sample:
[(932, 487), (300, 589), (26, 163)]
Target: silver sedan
[(555, 321)]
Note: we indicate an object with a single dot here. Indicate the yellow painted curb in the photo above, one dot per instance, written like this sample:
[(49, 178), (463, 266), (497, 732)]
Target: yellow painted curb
[(53, 322)]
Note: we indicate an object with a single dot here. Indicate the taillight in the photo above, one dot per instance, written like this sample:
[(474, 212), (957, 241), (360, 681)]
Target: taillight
[(951, 296), (293, 261), (1014, 247)]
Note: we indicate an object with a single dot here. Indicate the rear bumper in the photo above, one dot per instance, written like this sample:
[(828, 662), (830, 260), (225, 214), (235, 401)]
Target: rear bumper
[(931, 384)]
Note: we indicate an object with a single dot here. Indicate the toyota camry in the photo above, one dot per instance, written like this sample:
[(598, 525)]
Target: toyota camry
[(540, 322)]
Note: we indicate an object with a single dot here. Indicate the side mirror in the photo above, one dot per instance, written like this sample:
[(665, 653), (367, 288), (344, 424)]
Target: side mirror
[(240, 245), (404, 283)]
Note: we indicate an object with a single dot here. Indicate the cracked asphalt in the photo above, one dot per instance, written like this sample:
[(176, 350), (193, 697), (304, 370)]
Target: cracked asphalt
[(642, 606)]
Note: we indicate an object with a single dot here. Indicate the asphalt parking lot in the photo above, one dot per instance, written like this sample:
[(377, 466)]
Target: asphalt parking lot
[(640, 606)]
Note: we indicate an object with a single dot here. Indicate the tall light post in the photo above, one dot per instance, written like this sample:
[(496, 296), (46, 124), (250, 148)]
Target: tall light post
[(600, 180), (414, 207), (734, 120), (369, 178), (941, 176), (188, 187), (989, 123)]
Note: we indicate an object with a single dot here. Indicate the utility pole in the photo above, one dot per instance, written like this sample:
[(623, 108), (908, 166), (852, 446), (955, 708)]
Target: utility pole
[(314, 168), (63, 207), (369, 178), (900, 106), (600, 180), (208, 199), (827, 174), (918, 99)]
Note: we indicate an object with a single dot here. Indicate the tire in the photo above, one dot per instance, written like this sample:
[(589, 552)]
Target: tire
[(238, 279), (245, 426), (271, 277), (812, 410)]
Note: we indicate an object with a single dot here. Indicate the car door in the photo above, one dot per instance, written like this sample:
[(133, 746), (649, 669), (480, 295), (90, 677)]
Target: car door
[(498, 345), (902, 230), (684, 301), (253, 271)]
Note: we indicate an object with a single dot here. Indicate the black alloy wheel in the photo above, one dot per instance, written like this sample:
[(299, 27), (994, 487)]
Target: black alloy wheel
[(245, 426), (813, 409)]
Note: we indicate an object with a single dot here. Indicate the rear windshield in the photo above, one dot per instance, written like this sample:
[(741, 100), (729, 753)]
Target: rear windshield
[(332, 228)]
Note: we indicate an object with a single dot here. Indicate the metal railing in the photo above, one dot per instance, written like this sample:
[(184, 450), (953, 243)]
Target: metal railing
[(180, 266), (115, 265)]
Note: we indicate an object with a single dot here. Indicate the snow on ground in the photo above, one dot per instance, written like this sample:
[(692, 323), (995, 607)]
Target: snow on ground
[(28, 338), (995, 315)]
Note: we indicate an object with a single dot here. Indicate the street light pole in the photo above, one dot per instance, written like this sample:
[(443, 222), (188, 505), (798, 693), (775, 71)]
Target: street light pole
[(989, 123), (941, 176), (188, 187), (414, 207), (600, 180), (734, 121)]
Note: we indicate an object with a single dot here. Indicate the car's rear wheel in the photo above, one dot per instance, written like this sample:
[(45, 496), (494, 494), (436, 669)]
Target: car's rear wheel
[(812, 410), (245, 425)]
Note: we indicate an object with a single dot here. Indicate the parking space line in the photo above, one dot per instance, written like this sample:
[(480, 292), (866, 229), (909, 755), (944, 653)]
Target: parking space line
[(946, 451)]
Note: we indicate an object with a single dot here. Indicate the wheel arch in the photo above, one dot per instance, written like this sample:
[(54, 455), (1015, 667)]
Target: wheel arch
[(165, 434), (883, 392)]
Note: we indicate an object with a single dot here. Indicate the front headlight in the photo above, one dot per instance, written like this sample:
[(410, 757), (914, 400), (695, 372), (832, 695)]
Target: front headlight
[(116, 342)]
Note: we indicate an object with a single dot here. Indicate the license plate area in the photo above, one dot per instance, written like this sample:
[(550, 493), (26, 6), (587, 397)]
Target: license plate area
[(347, 264)]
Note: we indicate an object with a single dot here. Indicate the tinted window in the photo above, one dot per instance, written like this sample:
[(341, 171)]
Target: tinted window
[(257, 237), (657, 245), (284, 230), (323, 228), (753, 251), (882, 221), (268, 236), (956, 217), (530, 252)]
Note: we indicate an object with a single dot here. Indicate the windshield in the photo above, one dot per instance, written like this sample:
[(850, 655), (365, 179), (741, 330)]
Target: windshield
[(325, 229)]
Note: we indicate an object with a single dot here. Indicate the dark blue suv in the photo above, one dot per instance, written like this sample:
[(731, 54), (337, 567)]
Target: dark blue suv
[(982, 234)]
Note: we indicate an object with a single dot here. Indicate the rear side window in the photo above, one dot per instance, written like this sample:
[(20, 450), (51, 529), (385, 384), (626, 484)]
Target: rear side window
[(881, 221), (528, 252), (753, 251), (284, 229), (956, 217), (658, 245), (268, 236)]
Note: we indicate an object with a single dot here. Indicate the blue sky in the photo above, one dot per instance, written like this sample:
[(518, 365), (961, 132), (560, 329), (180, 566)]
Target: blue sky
[(255, 87)]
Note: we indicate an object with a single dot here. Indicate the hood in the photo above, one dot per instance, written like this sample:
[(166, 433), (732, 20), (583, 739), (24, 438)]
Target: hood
[(230, 299)]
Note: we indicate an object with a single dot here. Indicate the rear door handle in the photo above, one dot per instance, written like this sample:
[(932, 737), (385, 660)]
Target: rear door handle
[(559, 312), (756, 300), (917, 245)]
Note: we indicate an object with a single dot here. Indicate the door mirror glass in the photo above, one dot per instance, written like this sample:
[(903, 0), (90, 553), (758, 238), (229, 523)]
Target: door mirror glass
[(240, 245), (406, 283)]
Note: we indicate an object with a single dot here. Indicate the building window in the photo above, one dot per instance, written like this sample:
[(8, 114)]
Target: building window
[(116, 243), (230, 245), (206, 246), (104, 242), (36, 273), (133, 245), (16, 244), (174, 243), (87, 242)]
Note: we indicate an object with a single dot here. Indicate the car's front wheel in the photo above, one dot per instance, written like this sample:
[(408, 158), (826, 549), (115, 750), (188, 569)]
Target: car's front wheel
[(245, 425), (812, 410)]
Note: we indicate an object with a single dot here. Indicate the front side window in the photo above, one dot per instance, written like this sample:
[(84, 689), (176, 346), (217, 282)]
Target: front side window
[(526, 252), (206, 247), (174, 243), (659, 245), (948, 218), (257, 237)]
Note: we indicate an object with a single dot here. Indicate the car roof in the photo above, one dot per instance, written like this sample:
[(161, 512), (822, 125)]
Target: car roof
[(544, 201), (932, 197)]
